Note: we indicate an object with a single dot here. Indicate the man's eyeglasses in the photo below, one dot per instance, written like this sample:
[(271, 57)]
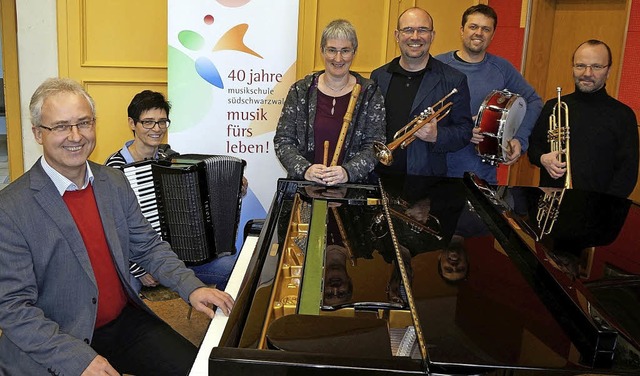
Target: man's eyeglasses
[(422, 31), (594, 67), (333, 52), (149, 124), (84, 125)]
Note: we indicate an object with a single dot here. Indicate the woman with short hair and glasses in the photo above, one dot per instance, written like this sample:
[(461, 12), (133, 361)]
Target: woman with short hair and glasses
[(149, 120), (314, 111)]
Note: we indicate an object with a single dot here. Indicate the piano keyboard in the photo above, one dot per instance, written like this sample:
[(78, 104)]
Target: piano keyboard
[(218, 323), (141, 181)]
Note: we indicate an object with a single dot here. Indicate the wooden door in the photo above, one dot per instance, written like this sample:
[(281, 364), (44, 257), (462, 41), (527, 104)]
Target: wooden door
[(557, 27), (115, 49)]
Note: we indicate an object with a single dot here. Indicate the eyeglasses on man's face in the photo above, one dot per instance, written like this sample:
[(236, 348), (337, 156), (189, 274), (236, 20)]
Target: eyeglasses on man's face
[(333, 52), (149, 124), (594, 67), (409, 31), (84, 125)]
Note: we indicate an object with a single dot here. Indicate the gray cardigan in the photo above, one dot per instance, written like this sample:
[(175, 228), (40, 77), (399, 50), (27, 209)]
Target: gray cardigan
[(294, 138)]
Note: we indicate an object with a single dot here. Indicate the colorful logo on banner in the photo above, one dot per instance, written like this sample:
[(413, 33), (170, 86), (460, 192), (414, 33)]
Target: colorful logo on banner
[(230, 68), (232, 40)]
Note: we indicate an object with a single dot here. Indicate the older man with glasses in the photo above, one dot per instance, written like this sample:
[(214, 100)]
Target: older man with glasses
[(410, 84), (69, 228), (603, 131)]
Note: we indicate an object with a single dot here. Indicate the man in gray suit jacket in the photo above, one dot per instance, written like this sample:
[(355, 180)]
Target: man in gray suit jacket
[(69, 228), (414, 81)]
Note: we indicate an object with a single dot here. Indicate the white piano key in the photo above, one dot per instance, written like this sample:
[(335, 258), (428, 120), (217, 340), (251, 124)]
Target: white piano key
[(217, 325)]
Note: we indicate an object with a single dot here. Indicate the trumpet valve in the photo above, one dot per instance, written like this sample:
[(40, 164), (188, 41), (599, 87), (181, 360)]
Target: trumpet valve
[(406, 142)]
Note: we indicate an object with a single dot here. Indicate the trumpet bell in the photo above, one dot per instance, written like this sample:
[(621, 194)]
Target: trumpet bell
[(405, 136), (383, 153)]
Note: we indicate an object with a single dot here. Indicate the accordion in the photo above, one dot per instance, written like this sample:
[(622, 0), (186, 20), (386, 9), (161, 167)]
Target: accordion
[(193, 201)]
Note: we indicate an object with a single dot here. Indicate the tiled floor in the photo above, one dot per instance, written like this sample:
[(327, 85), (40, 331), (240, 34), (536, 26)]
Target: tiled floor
[(4, 164), (174, 311), (4, 172)]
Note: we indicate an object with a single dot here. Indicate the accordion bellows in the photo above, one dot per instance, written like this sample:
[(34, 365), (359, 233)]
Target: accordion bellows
[(193, 202)]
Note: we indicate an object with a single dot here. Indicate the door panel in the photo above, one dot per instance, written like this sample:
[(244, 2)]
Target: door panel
[(114, 54)]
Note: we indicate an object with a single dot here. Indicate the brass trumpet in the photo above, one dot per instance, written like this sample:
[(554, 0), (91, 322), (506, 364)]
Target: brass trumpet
[(405, 135), (558, 137)]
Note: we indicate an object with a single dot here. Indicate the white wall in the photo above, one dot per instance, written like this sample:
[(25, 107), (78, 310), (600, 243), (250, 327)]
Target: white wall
[(37, 61)]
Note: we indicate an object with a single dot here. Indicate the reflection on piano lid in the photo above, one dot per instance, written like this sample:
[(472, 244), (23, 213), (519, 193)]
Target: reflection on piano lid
[(365, 337), (586, 269), (515, 311), (351, 194)]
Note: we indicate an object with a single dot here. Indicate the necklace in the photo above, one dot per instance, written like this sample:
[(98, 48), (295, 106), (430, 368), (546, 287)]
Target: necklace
[(332, 88), (333, 102)]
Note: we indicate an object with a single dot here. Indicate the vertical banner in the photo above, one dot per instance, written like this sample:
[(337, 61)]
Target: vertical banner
[(230, 65)]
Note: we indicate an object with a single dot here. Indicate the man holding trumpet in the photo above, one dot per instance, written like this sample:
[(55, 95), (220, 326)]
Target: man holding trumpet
[(413, 82), (331, 119), (603, 131)]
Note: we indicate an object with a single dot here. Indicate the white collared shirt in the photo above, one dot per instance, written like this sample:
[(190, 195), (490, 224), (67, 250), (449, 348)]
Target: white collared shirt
[(61, 182)]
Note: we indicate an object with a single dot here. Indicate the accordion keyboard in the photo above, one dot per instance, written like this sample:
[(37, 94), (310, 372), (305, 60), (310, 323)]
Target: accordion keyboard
[(141, 181)]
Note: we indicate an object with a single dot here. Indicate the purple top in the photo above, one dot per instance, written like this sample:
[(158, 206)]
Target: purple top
[(329, 116)]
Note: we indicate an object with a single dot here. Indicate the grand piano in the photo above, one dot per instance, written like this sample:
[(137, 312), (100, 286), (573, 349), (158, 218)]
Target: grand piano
[(417, 275)]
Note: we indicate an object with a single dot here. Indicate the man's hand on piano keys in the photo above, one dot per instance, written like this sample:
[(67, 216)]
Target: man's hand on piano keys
[(202, 297)]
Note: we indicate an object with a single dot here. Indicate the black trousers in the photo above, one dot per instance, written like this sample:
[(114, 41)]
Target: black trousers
[(141, 344)]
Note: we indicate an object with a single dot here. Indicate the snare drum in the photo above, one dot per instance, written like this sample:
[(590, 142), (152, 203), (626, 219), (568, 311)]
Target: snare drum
[(499, 118)]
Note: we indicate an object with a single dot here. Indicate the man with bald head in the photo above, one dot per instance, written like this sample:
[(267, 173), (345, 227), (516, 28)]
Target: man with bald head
[(413, 82), (603, 131)]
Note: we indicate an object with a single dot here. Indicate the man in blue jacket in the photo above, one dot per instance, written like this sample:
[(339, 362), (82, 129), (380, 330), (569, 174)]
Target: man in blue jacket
[(413, 82)]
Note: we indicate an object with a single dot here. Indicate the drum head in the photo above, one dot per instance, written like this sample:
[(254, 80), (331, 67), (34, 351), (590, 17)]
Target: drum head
[(511, 121)]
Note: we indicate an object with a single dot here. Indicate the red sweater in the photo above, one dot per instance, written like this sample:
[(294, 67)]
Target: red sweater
[(111, 295)]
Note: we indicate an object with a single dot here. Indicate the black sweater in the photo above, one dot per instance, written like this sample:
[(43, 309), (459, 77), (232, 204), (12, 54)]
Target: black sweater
[(603, 143)]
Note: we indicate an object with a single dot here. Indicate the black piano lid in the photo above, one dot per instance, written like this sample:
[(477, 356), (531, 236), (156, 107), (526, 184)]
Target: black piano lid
[(520, 303), (584, 272), (505, 313)]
